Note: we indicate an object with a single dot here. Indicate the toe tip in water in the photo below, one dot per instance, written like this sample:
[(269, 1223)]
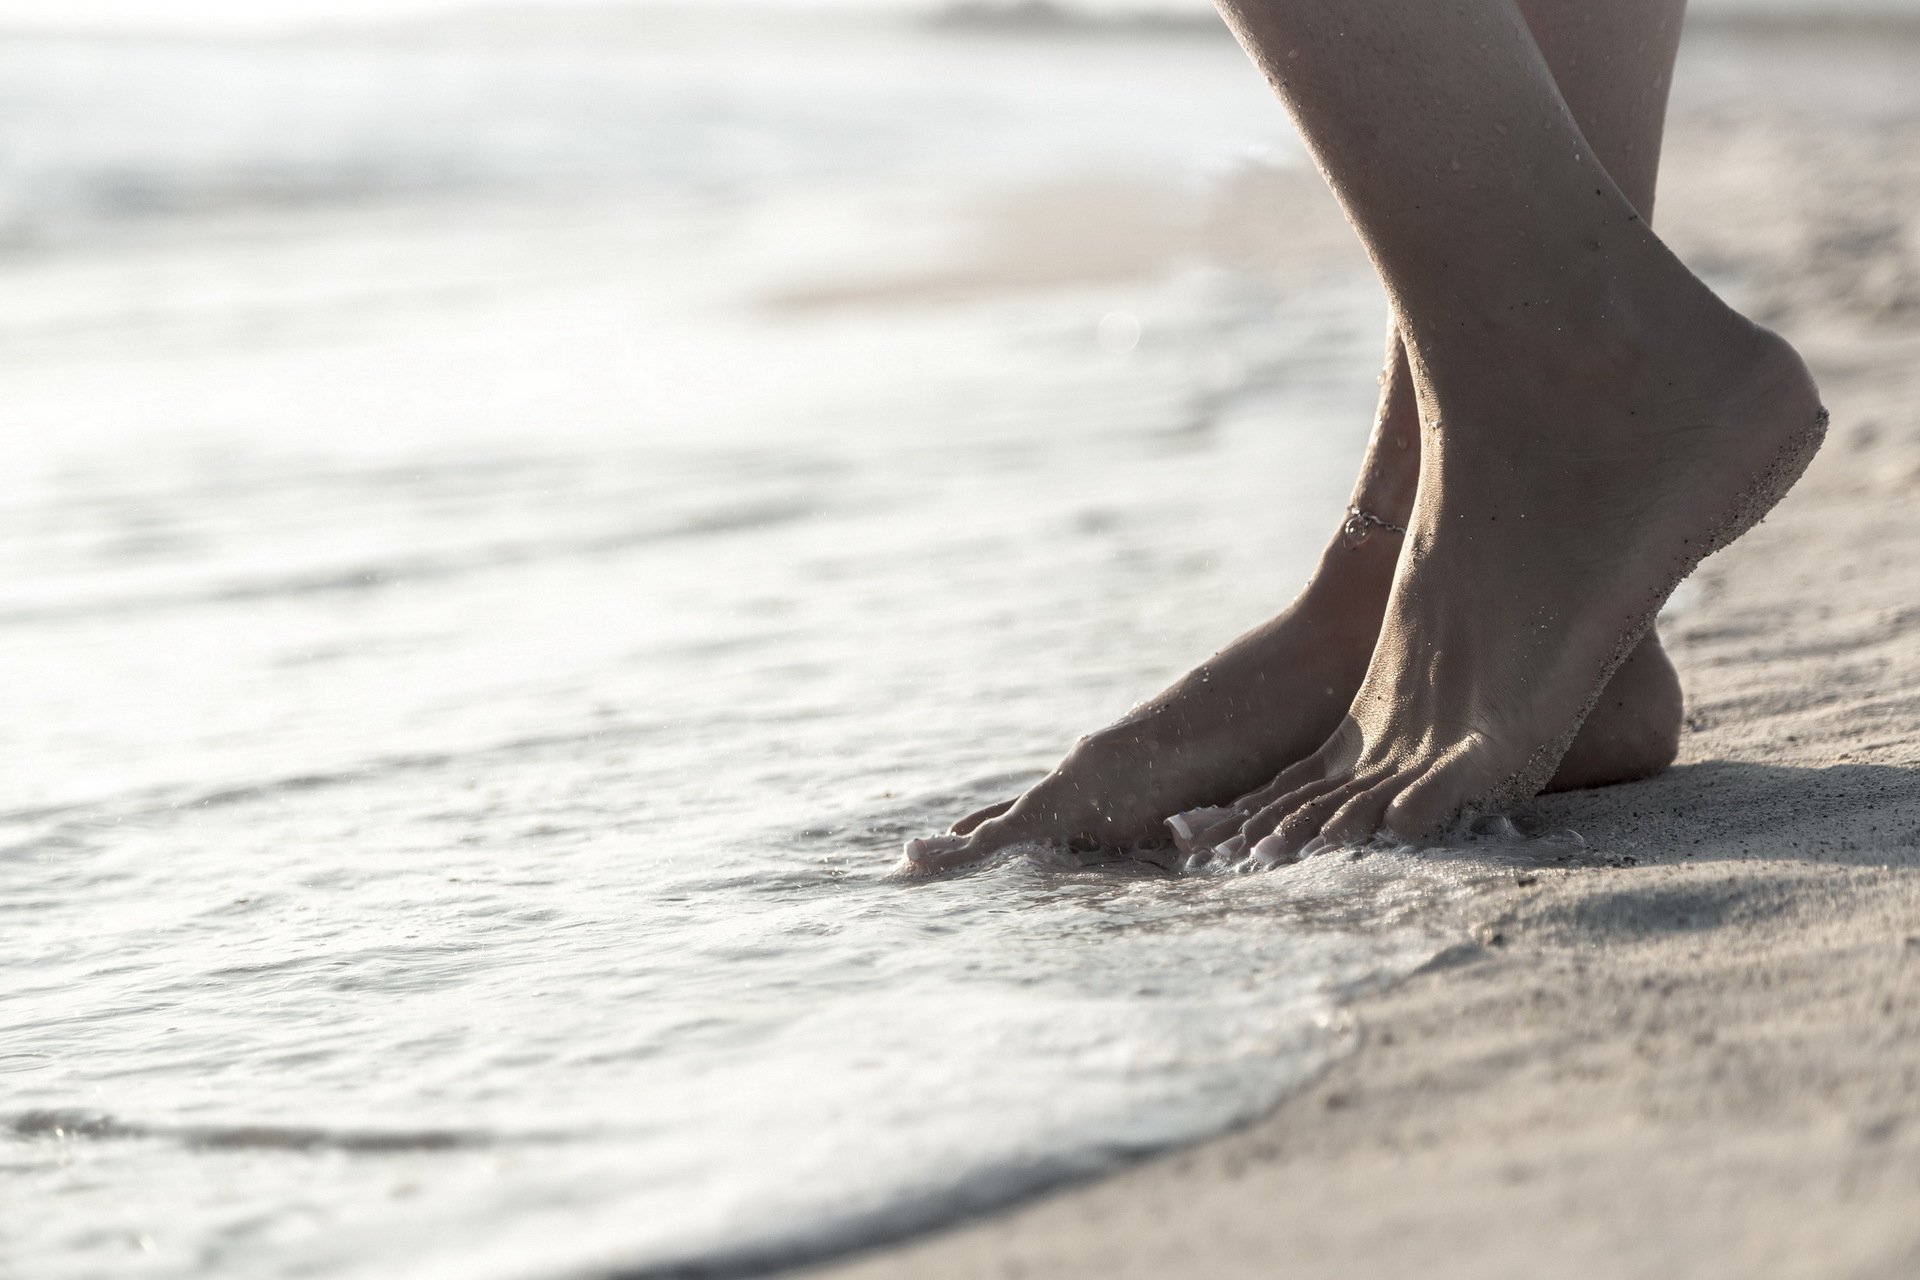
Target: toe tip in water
[(1269, 853), (924, 855), (1187, 827)]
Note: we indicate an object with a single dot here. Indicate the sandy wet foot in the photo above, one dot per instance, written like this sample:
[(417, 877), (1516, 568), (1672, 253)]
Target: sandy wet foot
[(1532, 570), (1274, 695), (1265, 702)]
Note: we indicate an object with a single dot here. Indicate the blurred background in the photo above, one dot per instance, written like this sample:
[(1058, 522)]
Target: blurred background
[(502, 501)]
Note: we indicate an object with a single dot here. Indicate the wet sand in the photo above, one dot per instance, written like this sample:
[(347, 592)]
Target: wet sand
[(1700, 1054)]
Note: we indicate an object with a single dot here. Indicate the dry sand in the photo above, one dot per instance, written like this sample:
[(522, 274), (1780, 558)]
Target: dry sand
[(1702, 1060)]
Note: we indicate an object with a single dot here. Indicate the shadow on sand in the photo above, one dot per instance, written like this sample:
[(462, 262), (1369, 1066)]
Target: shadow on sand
[(1826, 833), (1861, 815)]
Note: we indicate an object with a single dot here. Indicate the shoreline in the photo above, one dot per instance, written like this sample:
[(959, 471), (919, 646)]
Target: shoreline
[(1700, 1059), (1700, 1064)]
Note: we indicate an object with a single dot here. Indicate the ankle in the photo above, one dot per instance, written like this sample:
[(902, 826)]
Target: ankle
[(1349, 587), (1390, 473), (1613, 346)]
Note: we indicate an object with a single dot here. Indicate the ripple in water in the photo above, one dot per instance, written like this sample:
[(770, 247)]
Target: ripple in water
[(366, 1066), (479, 697)]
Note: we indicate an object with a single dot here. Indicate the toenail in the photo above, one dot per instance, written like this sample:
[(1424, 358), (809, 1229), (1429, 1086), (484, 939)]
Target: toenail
[(1271, 851), (1231, 846)]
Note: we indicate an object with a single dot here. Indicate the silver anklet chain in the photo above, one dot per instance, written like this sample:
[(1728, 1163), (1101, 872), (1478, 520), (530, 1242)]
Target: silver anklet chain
[(1361, 524)]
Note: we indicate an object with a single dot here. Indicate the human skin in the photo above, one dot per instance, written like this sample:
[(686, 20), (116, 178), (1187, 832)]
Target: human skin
[(1274, 694), (1594, 419), (1562, 373)]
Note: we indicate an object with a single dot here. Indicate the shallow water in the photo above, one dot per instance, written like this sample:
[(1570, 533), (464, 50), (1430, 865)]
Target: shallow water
[(474, 664)]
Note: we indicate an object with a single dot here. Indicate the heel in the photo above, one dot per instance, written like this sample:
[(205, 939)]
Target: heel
[(1771, 485)]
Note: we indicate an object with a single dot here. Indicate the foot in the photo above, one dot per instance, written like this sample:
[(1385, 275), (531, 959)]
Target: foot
[(1533, 569), (1271, 697)]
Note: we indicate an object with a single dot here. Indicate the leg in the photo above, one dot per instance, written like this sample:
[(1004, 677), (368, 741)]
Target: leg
[(1594, 420), (1276, 693)]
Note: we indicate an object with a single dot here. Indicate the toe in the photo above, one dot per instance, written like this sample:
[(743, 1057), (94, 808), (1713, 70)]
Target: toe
[(1360, 818), (1298, 778), (1027, 821), (1268, 820), (1199, 829), (1304, 773), (978, 816), (1253, 817), (929, 855), (1297, 828), (1334, 762), (1211, 827), (1434, 799)]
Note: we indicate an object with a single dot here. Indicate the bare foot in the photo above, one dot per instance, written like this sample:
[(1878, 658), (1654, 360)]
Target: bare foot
[(1271, 697), (1531, 572)]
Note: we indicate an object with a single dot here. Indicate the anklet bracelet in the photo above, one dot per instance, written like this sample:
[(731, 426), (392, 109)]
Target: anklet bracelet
[(1361, 524)]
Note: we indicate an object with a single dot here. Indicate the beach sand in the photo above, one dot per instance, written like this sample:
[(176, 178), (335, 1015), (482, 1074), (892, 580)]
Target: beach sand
[(1698, 1055)]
